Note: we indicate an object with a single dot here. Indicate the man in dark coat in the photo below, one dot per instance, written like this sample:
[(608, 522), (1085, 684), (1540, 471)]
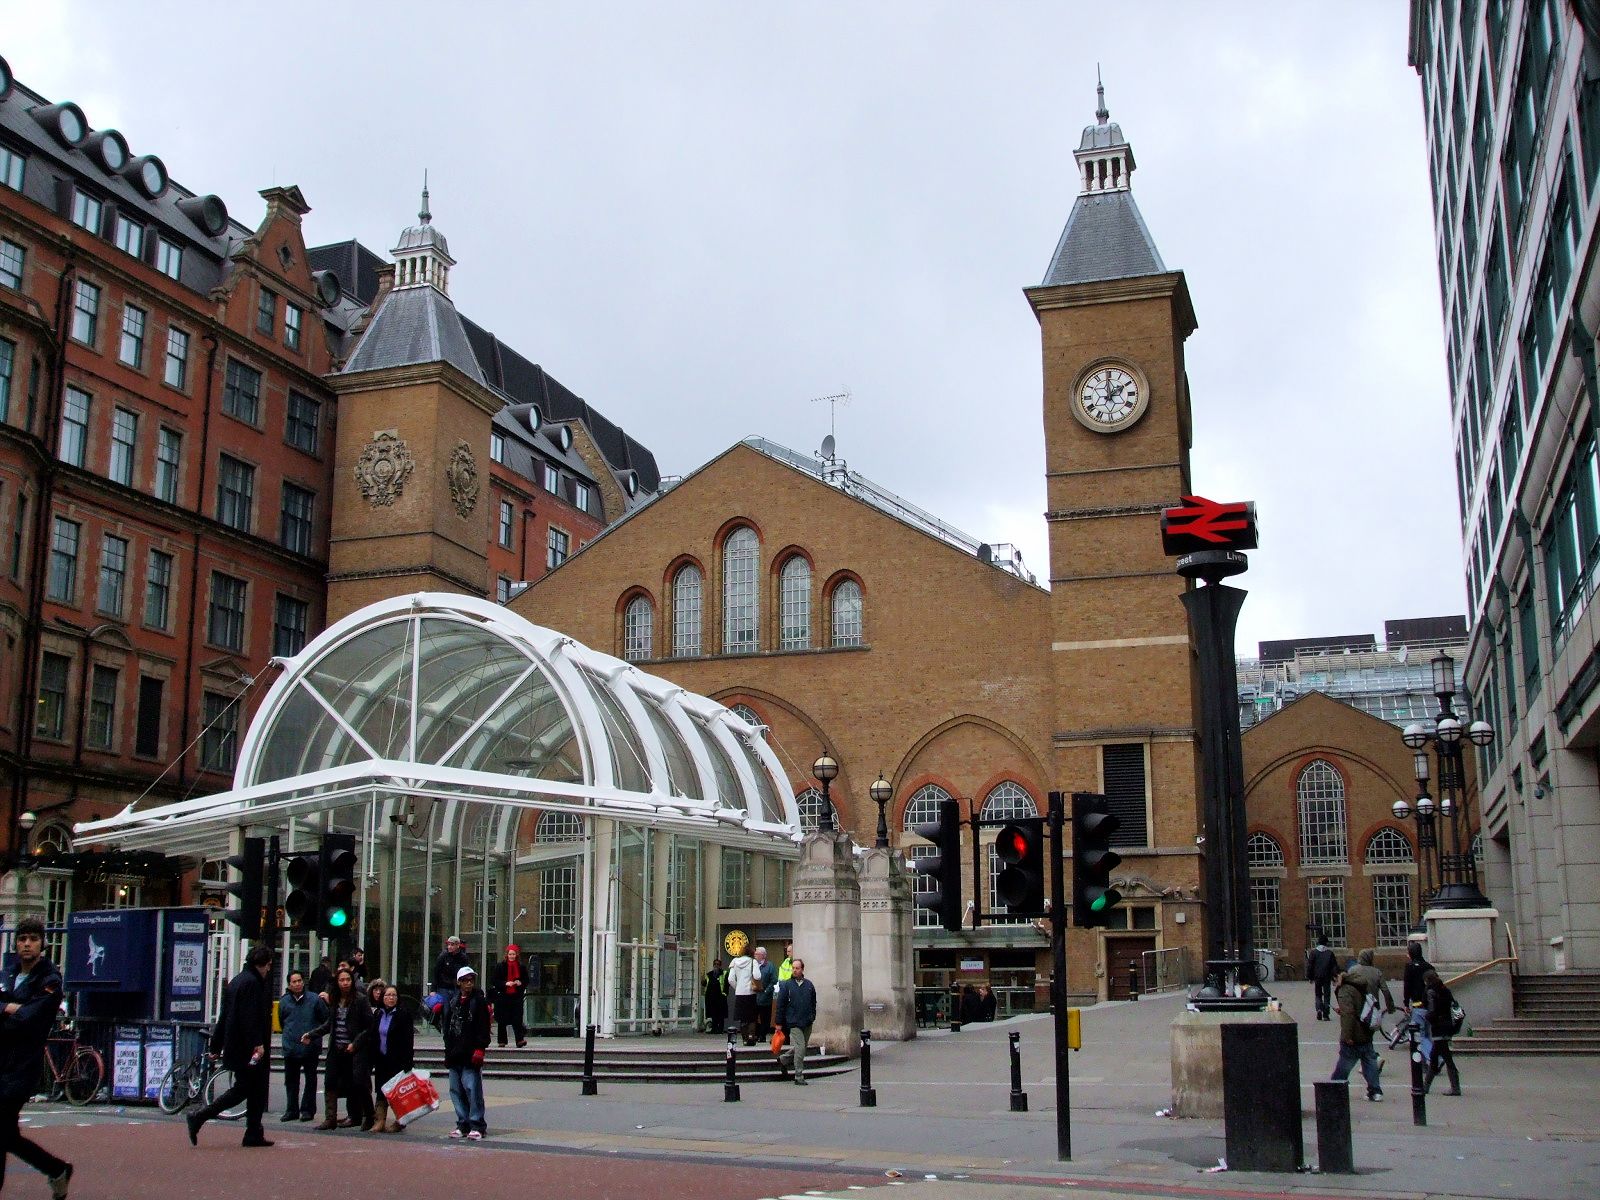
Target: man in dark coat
[(1321, 967), (243, 1040), (451, 960), (797, 1013), (716, 998), (30, 996), (465, 1024)]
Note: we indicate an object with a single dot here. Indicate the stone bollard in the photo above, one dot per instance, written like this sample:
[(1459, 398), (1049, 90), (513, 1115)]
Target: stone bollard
[(591, 1086), (1335, 1155), (1019, 1098), (869, 1094)]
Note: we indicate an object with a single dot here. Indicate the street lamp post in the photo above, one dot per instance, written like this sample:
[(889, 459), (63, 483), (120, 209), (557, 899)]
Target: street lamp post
[(826, 770), (880, 792), (1455, 871)]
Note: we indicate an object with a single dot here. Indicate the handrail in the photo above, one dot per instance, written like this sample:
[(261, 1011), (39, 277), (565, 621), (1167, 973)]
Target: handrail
[(1511, 947), (1493, 962)]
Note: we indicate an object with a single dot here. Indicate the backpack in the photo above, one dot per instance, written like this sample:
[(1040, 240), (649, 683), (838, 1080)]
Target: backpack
[(1372, 1012)]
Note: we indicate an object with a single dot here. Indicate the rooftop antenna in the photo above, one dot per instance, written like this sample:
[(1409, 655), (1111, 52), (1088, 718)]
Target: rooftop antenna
[(833, 403)]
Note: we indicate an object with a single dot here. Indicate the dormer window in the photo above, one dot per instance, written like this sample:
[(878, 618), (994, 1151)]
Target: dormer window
[(497, 447), (169, 258), (86, 211), (552, 480), (580, 495), (11, 166), (130, 236)]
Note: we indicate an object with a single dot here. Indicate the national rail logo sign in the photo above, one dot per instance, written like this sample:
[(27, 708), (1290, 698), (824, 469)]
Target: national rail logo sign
[(1199, 524)]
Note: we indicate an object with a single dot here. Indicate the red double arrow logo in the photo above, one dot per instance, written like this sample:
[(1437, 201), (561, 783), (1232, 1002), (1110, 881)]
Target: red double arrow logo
[(1208, 520)]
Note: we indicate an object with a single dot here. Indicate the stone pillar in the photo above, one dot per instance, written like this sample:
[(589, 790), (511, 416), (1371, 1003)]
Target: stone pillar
[(1460, 939), (1197, 1057), (21, 896), (887, 978), (827, 935)]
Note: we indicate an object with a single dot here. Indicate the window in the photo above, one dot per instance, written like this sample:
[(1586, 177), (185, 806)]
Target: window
[(169, 450), (241, 392), (580, 495), (847, 613), (177, 370), (558, 898), (638, 629), (1391, 909), (147, 722), (506, 524), (997, 907), (219, 734), (225, 626), (130, 236), (1009, 802), (86, 212), (558, 827), (794, 605), (497, 447), (113, 574), (292, 316), (1266, 911), (75, 426), (85, 312), (502, 590), (102, 726), (267, 311), (1122, 768), (686, 593), (741, 601), (303, 422), (52, 721), (556, 548), (1320, 792), (810, 804), (922, 808), (1325, 910), (749, 716), (1389, 846), (158, 590), (295, 518), (11, 165), (132, 349), (11, 260), (289, 621), (1262, 851), (124, 440), (236, 487), (169, 258), (63, 583), (552, 480), (17, 529), (8, 360)]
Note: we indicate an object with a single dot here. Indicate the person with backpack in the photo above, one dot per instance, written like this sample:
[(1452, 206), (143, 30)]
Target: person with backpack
[(1355, 1003), (1444, 1019), (1413, 994), (1321, 967)]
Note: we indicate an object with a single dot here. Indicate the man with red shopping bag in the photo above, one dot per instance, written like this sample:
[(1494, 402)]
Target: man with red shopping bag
[(465, 1023)]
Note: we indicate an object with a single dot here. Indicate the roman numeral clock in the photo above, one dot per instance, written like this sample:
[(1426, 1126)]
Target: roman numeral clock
[(1110, 395)]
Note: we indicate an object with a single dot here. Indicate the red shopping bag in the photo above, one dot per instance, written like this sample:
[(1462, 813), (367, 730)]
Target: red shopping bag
[(410, 1095)]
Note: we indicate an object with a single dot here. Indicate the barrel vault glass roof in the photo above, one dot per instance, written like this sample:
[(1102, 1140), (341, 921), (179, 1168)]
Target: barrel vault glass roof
[(436, 698)]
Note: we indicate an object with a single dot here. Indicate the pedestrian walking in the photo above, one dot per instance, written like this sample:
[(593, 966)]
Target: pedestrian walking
[(243, 1040), (740, 982), (1355, 1036), (299, 1012), (451, 959), (970, 1010), (349, 1033), (1372, 979), (988, 1005), (716, 999), (465, 1024), (797, 1013), (395, 1054), (766, 989), (1321, 967), (360, 968), (30, 997), (1440, 1005), (1414, 996), (508, 985)]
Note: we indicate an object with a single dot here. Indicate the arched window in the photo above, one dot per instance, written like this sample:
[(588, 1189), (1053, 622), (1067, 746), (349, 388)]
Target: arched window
[(558, 827), (920, 809), (747, 714), (741, 598), (1323, 840), (847, 614), (638, 629), (1009, 802), (686, 612), (794, 605), (810, 802), (51, 840), (1389, 846), (1265, 859), (1262, 850), (1390, 852)]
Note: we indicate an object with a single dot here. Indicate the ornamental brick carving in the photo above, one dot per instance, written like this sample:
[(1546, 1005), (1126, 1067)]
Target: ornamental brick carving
[(462, 474), (382, 469)]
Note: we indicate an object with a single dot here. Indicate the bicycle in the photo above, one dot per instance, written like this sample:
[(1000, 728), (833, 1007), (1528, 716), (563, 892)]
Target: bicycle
[(201, 1076), (71, 1069)]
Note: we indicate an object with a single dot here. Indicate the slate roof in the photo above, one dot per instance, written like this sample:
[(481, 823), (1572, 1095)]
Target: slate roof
[(1105, 238), (355, 266), (415, 325)]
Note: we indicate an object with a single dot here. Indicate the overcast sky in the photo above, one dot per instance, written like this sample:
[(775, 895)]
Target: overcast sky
[(699, 216)]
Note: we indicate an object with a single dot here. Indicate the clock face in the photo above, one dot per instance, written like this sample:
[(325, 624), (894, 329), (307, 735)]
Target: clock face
[(1110, 397)]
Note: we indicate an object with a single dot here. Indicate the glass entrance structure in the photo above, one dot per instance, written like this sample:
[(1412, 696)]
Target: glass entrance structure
[(506, 783)]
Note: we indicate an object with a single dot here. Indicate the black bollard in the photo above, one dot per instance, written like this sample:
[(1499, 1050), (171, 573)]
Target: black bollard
[(591, 1086), (1335, 1155), (1019, 1098), (1133, 979), (730, 1085), (869, 1094), (1419, 1087)]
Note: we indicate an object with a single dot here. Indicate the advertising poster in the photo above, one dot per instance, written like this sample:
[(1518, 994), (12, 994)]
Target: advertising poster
[(125, 1062), (184, 987), (157, 1059)]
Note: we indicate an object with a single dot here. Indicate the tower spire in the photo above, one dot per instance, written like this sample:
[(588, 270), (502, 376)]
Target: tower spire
[(1101, 113), (425, 216)]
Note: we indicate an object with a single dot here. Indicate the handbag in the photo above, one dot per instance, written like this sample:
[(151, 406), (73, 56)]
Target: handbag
[(410, 1095), (1372, 1012), (777, 1041)]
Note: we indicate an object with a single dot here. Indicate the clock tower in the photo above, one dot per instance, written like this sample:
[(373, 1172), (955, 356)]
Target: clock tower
[(1113, 320)]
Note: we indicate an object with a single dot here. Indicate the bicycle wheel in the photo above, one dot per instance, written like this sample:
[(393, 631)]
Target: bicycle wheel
[(85, 1072), (174, 1095), (221, 1080)]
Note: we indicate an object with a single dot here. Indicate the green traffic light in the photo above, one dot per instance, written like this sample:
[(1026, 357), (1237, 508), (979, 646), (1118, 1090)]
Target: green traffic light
[(338, 918), (1099, 903)]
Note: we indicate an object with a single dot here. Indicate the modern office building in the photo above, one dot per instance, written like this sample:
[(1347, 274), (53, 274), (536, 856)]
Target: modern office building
[(1511, 96)]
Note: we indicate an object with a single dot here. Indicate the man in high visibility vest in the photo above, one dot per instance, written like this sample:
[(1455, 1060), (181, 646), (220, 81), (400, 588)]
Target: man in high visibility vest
[(786, 967)]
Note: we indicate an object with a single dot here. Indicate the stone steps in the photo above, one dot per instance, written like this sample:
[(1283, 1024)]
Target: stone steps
[(1554, 1014)]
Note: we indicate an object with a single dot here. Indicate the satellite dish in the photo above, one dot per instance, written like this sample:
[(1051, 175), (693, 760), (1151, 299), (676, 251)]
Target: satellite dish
[(827, 446)]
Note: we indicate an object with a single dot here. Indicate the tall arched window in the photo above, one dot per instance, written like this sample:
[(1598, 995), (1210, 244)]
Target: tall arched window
[(1323, 840), (741, 597), (847, 622), (1390, 853), (686, 605), (1265, 859), (920, 809), (794, 605), (810, 803), (638, 629)]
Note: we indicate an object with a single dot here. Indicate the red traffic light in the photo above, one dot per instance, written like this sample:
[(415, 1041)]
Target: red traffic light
[(1011, 845)]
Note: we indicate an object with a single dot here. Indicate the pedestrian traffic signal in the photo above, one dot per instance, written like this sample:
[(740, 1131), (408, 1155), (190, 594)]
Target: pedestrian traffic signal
[(943, 866), (250, 869), (1020, 886), (1093, 897), (336, 882), (303, 873)]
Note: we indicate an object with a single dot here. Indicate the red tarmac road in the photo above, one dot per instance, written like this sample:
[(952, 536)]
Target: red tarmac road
[(152, 1160)]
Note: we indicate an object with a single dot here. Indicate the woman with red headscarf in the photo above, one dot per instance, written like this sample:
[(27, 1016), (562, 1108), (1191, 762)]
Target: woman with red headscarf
[(508, 984)]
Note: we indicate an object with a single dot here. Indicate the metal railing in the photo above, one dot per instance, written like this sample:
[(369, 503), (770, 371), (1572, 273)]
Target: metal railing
[(1164, 970)]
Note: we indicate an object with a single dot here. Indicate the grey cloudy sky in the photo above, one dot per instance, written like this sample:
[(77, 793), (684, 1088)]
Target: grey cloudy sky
[(698, 216)]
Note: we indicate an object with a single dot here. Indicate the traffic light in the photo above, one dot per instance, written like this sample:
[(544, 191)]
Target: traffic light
[(301, 906), (251, 868), (944, 866), (1093, 897), (336, 883), (1020, 886)]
